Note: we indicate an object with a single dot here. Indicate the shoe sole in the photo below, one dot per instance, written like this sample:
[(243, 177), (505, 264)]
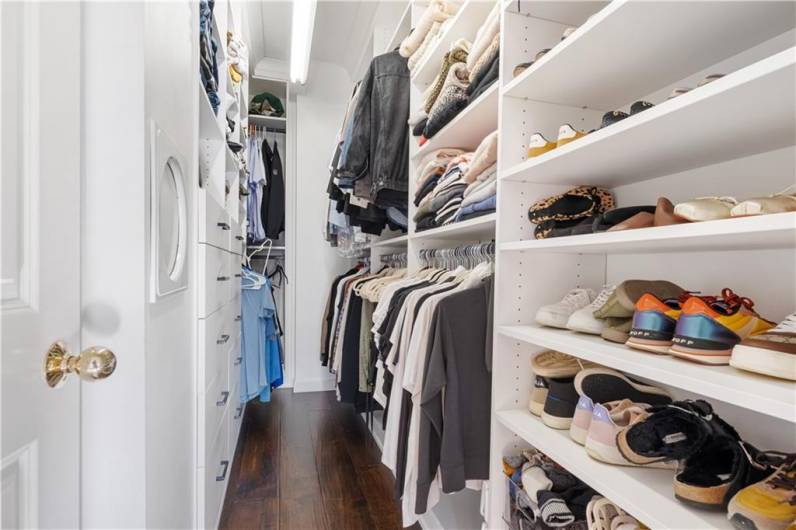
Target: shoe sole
[(764, 361), (605, 453), (705, 498), (612, 335), (550, 323), (578, 434), (655, 346), (536, 408), (581, 329), (609, 385), (556, 422), (711, 357)]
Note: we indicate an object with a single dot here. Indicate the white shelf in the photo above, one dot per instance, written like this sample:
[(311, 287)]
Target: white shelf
[(659, 32), (571, 12), (708, 125), (469, 127), (476, 229), (643, 492), (268, 121), (747, 390), (776, 231), (401, 29), (465, 24), (209, 128), (399, 241)]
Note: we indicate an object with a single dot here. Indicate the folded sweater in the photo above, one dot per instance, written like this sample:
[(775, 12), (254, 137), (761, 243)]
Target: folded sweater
[(485, 155)]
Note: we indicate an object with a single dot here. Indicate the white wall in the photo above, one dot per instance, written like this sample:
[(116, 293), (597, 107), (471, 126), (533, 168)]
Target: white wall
[(319, 109)]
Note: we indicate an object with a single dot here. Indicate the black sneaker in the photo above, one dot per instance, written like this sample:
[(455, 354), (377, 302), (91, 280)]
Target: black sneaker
[(559, 407), (602, 385)]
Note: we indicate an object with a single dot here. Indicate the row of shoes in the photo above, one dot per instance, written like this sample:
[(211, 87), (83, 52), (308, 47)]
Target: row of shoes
[(663, 318), (538, 144), (544, 495), (520, 68), (622, 421)]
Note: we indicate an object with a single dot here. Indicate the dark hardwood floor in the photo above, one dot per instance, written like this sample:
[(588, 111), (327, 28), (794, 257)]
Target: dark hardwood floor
[(305, 461)]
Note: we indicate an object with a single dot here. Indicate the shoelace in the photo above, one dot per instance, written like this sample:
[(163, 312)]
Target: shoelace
[(605, 293), (788, 325), (785, 475), (733, 300)]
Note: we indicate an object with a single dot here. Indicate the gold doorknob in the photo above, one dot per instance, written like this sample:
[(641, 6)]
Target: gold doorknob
[(93, 363)]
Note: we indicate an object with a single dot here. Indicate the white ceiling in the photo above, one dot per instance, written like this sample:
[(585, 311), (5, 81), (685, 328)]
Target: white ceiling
[(342, 34)]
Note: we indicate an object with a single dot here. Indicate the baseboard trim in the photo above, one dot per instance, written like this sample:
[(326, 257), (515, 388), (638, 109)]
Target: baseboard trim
[(313, 385)]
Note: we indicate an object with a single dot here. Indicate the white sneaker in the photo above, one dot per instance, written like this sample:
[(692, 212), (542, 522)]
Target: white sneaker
[(583, 319), (557, 315)]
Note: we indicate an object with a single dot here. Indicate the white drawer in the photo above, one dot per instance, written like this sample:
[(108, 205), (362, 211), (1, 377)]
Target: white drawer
[(215, 475), (238, 239), (217, 228), (218, 278), (235, 356), (217, 403), (235, 269), (217, 335), (236, 410)]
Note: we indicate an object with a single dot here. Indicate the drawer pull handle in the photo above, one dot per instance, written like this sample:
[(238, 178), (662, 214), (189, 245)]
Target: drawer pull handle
[(237, 318), (238, 275), (238, 412), (239, 238), (223, 226), (223, 400), (222, 278), (223, 476), (237, 361), (223, 339)]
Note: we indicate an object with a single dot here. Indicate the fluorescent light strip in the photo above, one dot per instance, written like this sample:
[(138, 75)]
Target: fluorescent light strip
[(301, 39)]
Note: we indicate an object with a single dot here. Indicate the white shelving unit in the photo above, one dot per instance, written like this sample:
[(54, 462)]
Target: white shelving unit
[(272, 122), (735, 136), (476, 229)]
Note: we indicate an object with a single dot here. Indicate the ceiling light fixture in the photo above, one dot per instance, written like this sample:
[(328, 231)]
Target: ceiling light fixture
[(301, 39)]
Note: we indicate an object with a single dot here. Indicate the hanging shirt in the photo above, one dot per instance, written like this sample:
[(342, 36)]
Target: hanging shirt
[(256, 181), (261, 366)]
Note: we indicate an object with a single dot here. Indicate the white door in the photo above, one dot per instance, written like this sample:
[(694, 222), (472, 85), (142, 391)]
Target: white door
[(40, 112)]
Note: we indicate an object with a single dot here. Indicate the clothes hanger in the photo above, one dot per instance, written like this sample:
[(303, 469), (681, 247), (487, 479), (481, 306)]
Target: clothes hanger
[(270, 244)]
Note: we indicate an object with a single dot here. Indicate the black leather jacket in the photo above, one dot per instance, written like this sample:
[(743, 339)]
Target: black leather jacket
[(378, 151)]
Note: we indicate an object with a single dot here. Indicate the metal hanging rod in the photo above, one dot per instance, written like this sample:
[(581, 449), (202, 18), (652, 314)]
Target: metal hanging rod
[(467, 256), (397, 259)]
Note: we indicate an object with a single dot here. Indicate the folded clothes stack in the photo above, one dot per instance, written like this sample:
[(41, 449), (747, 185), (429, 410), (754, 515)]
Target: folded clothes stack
[(467, 71), (454, 186), (427, 32)]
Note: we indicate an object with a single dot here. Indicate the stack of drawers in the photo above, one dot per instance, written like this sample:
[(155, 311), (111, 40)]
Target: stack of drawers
[(221, 247)]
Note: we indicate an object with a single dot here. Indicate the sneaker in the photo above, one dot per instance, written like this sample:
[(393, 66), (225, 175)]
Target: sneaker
[(723, 466), (579, 428), (709, 328), (611, 117), (640, 106), (554, 364), (607, 420), (709, 79), (769, 504), (538, 396), (653, 324), (539, 145), (617, 329), (567, 133), (772, 352), (671, 432), (784, 201), (559, 407), (583, 319), (622, 303), (602, 385), (706, 208), (557, 315)]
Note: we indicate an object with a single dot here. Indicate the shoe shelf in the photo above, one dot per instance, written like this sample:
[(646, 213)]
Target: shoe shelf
[(747, 390), (710, 124), (469, 127), (571, 13), (775, 231), (476, 229), (643, 492), (465, 24), (696, 34), (393, 242)]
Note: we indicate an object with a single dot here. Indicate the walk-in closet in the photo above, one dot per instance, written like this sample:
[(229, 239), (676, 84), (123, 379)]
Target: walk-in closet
[(383, 264)]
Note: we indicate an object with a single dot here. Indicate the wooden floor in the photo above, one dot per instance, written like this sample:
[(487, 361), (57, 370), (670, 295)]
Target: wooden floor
[(305, 461)]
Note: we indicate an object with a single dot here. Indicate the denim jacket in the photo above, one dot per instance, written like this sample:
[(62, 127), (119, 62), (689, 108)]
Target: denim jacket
[(377, 148)]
